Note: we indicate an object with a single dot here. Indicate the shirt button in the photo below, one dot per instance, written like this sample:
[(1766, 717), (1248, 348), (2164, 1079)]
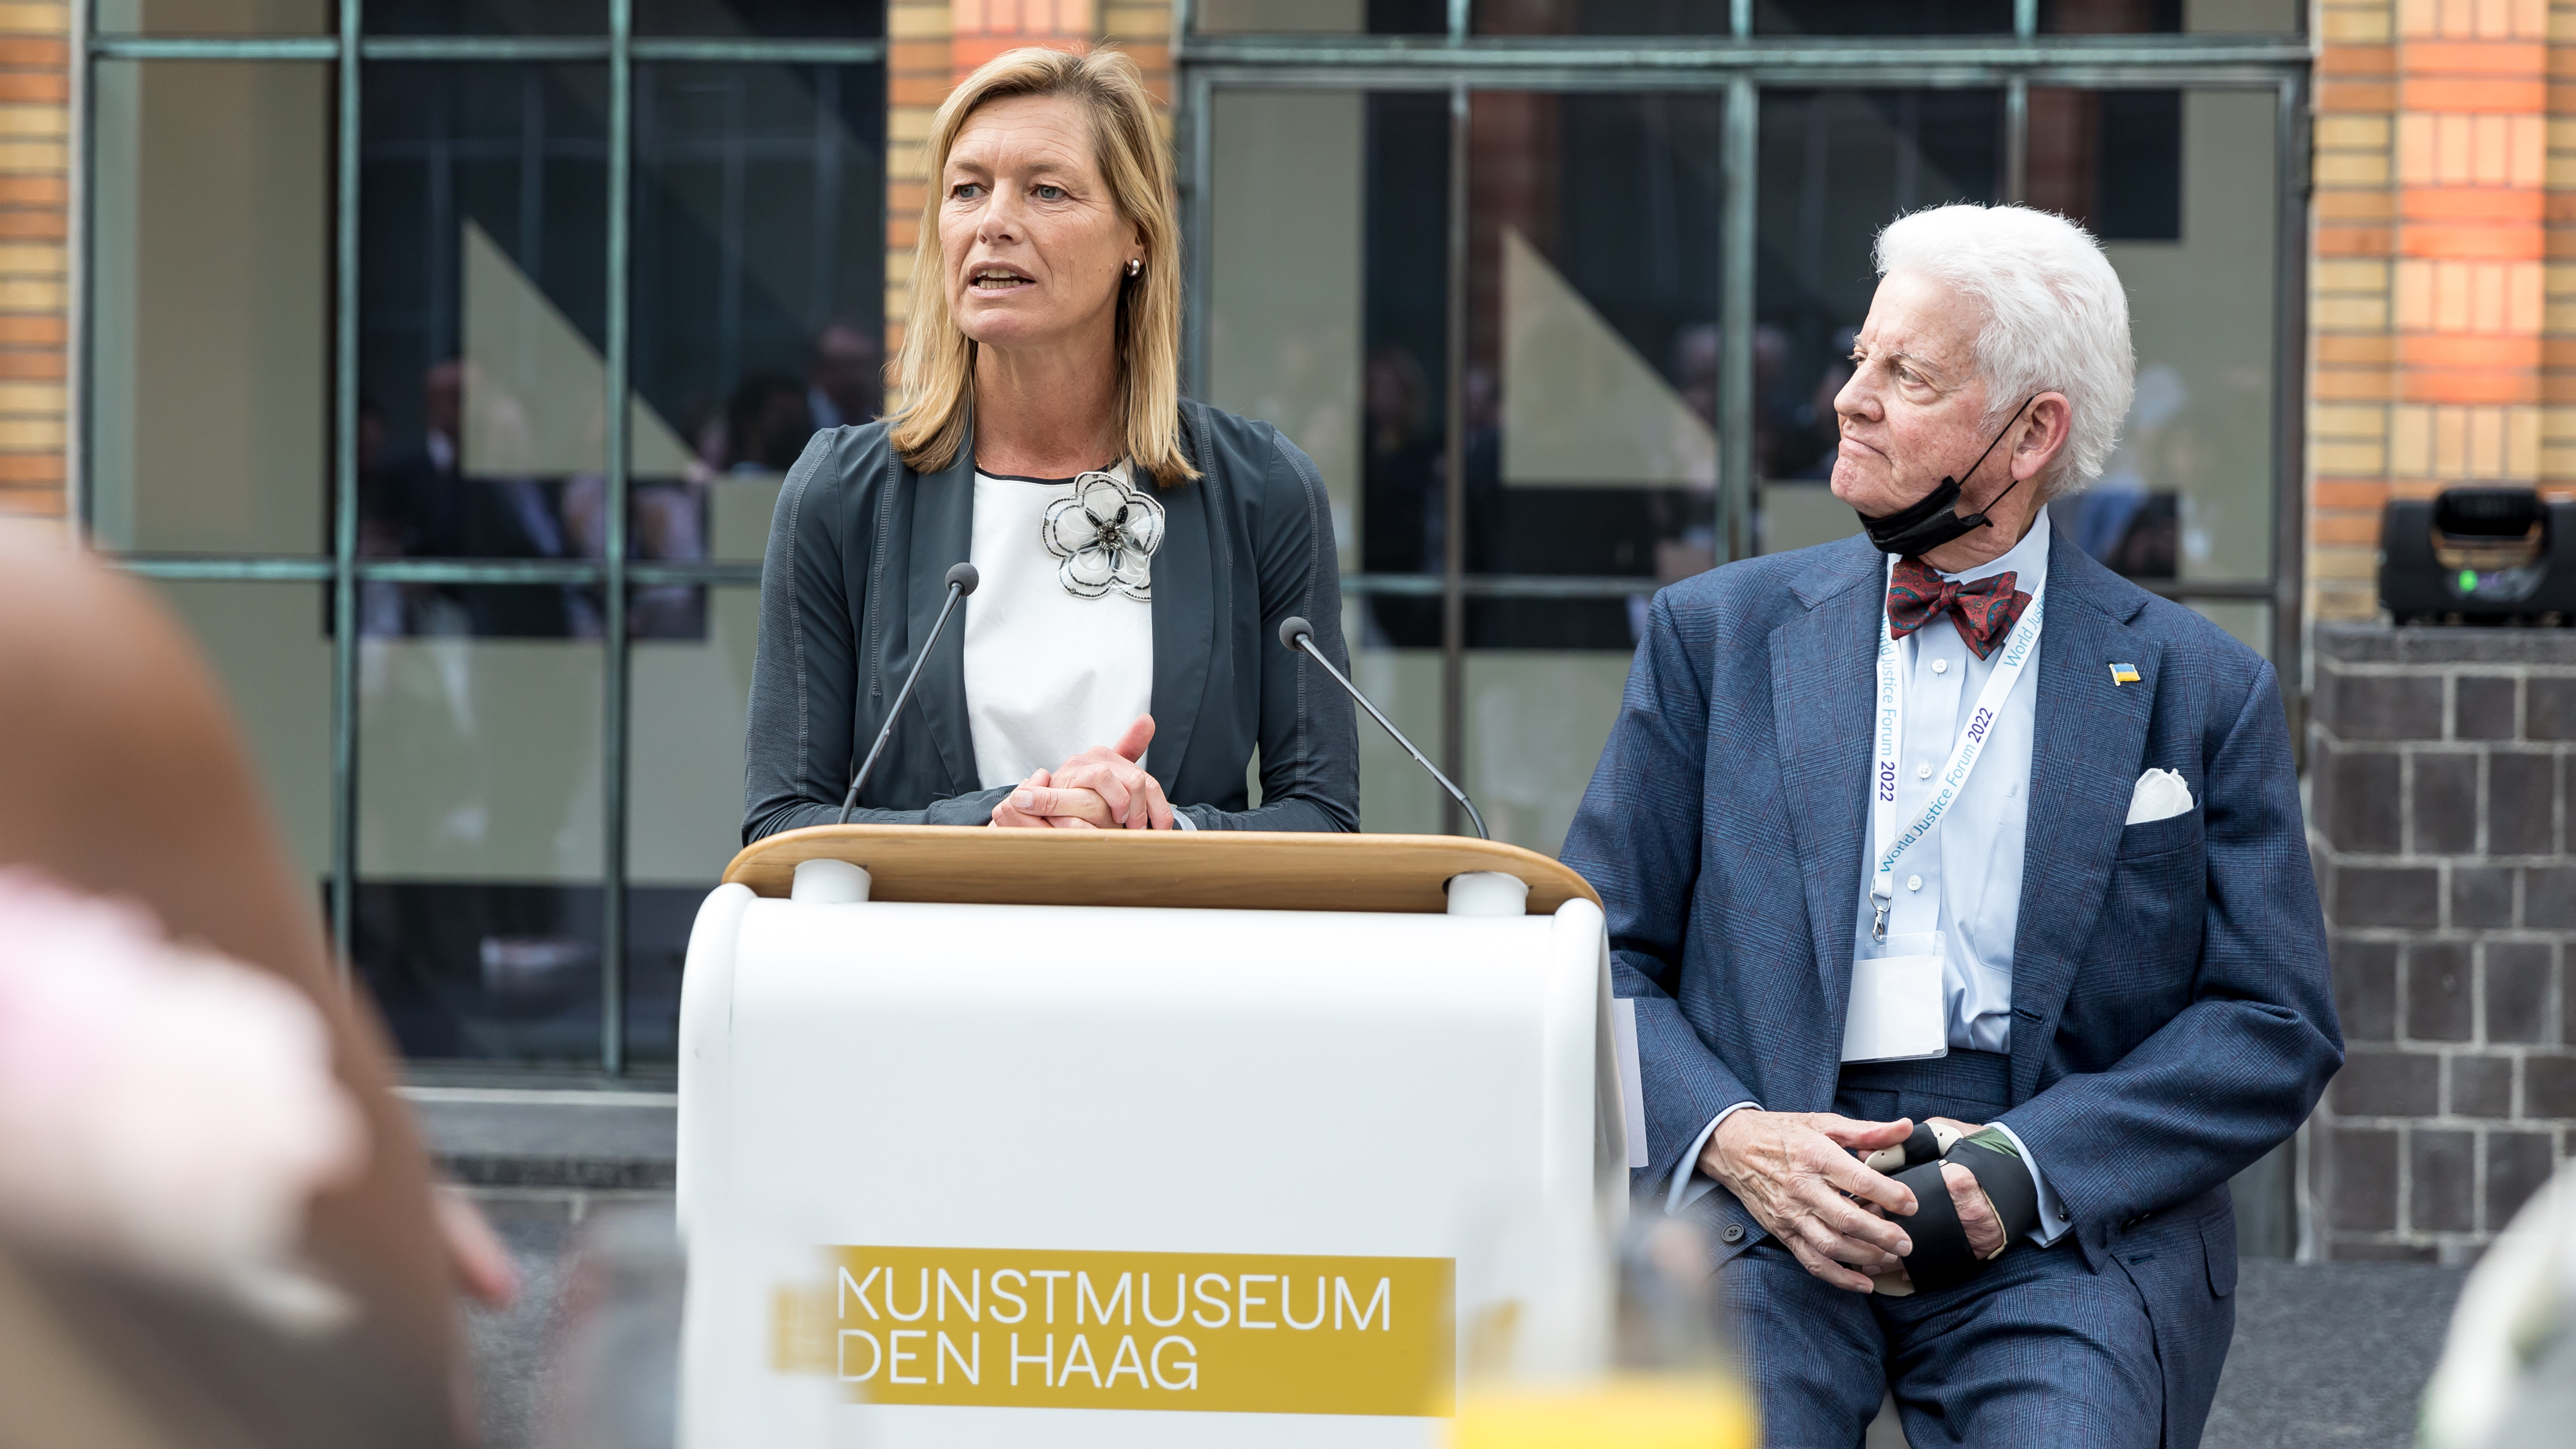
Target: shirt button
[(1940, 666), (1914, 882), (1923, 771), (1734, 1233)]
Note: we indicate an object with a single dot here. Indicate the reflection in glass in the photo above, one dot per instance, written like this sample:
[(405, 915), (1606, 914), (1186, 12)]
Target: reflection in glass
[(1404, 365), (482, 316), (483, 387), (684, 798), (214, 17), (2109, 161), (1590, 395), (1835, 167), (479, 840), (1330, 215), (1320, 17), (1600, 17), (1287, 257), (2142, 17), (209, 340), (487, 17), (2250, 623), (1537, 720), (758, 279), (1882, 17), (1397, 796), (811, 18), (270, 648), (2188, 493), (482, 970), (1592, 352)]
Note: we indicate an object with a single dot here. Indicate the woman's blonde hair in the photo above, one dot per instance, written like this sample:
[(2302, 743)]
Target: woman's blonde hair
[(936, 370)]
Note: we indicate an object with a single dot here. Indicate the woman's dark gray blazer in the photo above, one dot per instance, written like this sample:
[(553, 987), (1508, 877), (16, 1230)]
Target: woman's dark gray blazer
[(857, 553)]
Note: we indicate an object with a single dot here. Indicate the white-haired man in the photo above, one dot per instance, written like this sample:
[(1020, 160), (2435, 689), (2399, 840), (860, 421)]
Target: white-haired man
[(1963, 894)]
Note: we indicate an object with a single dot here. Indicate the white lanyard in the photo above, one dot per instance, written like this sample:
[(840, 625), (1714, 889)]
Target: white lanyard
[(2018, 649)]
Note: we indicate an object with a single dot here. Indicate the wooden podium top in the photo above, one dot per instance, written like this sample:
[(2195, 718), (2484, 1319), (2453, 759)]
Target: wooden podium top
[(1223, 870)]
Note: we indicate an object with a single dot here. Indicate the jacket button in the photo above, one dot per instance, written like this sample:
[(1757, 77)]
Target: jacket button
[(1734, 1233)]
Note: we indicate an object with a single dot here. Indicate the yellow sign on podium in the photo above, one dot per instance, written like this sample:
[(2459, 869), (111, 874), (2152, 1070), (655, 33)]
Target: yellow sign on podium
[(1207, 1332)]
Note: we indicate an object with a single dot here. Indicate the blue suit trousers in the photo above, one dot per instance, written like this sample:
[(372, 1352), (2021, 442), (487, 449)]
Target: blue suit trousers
[(2039, 1349)]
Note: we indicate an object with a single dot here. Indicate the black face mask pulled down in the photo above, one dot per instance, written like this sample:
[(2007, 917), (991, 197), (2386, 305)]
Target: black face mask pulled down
[(1933, 520)]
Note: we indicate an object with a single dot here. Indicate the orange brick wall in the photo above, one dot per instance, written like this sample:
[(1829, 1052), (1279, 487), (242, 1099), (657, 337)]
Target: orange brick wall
[(35, 130), (918, 77), (2443, 301)]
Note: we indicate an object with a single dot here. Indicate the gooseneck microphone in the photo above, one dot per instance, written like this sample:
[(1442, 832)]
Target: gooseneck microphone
[(961, 582), (1296, 634)]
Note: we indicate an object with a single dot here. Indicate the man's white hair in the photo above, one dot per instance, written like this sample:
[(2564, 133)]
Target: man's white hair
[(2057, 319)]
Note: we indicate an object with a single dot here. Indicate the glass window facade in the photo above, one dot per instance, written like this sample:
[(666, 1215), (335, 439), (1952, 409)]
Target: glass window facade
[(212, 17), (443, 358), (210, 344), (441, 373), (1320, 17), (1883, 17), (1562, 318)]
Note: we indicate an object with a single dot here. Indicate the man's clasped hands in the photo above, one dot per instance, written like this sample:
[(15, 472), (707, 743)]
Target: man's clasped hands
[(1796, 1172), (1103, 788)]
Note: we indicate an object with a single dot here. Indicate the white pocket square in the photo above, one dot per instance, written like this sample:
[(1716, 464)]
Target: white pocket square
[(2160, 794)]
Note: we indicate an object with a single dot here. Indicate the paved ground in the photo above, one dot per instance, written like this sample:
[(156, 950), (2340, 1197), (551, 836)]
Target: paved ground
[(2327, 1356), (511, 1349), (2331, 1354)]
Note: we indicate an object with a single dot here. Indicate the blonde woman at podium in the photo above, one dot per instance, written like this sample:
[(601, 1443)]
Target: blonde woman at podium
[(1133, 552)]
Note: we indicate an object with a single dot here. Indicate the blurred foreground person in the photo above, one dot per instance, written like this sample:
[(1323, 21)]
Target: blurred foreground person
[(1880, 856), (216, 1225), (1137, 551), (2507, 1379)]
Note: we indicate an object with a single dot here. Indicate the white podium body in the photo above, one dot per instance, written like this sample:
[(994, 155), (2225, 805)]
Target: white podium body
[(980, 1101)]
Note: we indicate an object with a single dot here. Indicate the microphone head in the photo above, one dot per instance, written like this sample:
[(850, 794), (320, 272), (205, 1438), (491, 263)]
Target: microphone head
[(1292, 629), (963, 578)]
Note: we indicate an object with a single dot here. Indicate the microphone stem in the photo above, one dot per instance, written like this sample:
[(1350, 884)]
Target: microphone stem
[(1307, 643), (910, 677)]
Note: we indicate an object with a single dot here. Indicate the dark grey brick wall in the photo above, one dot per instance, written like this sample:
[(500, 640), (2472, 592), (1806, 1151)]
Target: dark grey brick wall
[(2442, 816)]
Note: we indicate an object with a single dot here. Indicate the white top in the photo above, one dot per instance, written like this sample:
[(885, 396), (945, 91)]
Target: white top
[(1053, 670)]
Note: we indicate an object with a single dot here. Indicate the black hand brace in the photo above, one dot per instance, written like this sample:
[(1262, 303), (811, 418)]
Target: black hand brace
[(1928, 1144), (1941, 1256)]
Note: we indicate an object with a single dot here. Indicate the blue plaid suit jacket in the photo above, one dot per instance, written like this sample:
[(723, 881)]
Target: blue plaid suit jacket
[(2172, 1015)]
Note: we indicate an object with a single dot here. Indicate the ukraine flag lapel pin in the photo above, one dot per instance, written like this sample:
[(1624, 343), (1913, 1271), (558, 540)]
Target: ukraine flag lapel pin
[(2124, 674)]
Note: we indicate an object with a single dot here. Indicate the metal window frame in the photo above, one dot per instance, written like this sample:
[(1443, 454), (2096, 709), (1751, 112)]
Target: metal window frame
[(1742, 65), (347, 47)]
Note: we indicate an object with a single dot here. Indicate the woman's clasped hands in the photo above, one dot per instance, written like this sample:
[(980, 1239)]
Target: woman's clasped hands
[(1103, 788)]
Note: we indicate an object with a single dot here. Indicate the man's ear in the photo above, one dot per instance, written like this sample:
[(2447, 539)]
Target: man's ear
[(2045, 429)]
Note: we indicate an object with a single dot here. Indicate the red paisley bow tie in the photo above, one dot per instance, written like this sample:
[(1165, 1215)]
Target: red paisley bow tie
[(1984, 610)]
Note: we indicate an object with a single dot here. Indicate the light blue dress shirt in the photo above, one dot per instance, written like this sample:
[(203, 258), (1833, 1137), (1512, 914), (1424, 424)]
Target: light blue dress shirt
[(1962, 879)]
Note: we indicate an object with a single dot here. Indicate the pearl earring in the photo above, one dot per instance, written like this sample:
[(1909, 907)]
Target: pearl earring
[(1135, 266)]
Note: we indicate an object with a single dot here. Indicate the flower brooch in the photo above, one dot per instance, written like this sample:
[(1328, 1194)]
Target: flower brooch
[(1106, 534)]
